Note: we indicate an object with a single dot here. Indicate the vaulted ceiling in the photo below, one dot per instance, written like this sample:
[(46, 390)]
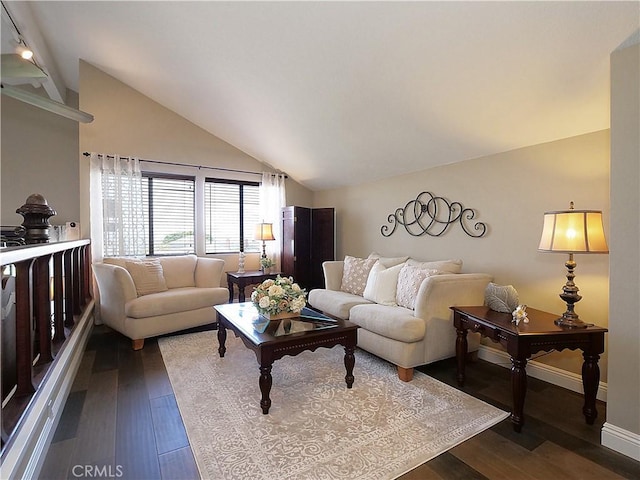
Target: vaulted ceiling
[(340, 93)]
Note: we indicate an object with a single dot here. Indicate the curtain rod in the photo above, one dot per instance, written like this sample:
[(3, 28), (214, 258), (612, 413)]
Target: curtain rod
[(87, 154)]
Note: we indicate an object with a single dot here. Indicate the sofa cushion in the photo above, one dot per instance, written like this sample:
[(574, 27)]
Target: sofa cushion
[(174, 300), (179, 271), (397, 323), (388, 261), (382, 283), (445, 266), (355, 274), (147, 276), (335, 303), (121, 261), (409, 280)]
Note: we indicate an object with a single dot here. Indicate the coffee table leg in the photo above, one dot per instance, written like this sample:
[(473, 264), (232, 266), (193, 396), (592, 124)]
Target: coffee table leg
[(222, 338), (265, 387), (349, 362)]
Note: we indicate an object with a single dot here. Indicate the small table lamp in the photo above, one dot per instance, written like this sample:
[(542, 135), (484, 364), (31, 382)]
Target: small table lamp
[(264, 232), (572, 231)]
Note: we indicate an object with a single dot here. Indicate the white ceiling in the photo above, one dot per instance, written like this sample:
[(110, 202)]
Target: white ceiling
[(340, 93)]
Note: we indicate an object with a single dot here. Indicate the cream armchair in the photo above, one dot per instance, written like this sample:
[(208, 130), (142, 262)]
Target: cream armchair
[(141, 299)]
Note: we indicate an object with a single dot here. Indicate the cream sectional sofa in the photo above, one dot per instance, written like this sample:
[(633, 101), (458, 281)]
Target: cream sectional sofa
[(407, 337), (146, 298)]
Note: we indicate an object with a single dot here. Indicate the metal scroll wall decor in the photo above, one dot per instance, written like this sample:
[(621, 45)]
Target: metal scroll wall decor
[(432, 215)]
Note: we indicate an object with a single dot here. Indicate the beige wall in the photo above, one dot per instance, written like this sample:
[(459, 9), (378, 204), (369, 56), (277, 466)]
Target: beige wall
[(39, 155), (510, 193), (623, 409), (130, 124)]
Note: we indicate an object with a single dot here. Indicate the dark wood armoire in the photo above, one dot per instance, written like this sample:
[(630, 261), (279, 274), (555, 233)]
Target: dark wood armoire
[(308, 239)]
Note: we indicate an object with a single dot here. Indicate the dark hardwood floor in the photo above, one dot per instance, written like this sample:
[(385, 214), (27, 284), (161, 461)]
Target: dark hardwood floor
[(121, 421)]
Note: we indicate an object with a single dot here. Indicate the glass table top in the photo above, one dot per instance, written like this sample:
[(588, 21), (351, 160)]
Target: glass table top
[(246, 317)]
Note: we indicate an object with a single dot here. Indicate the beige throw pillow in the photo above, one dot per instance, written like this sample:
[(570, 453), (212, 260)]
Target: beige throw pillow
[(388, 261), (147, 276), (409, 280), (382, 283), (443, 266), (355, 274)]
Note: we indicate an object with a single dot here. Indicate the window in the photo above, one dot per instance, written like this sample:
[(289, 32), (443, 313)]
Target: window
[(232, 209), (169, 204)]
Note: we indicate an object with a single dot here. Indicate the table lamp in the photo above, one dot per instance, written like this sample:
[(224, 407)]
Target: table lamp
[(572, 231), (264, 232)]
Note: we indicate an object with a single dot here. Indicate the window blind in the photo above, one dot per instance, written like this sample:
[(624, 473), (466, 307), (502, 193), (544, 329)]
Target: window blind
[(170, 223), (231, 213)]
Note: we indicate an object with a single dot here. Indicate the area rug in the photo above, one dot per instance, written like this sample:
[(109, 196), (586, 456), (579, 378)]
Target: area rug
[(316, 427)]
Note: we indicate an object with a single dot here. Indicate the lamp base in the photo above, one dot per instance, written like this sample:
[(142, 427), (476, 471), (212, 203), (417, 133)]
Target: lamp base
[(570, 322), (570, 295)]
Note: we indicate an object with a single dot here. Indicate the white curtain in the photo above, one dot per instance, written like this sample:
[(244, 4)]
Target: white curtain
[(272, 199), (117, 214)]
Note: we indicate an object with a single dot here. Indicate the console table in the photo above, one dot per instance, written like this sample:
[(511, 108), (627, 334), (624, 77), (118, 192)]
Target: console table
[(246, 278), (525, 339)]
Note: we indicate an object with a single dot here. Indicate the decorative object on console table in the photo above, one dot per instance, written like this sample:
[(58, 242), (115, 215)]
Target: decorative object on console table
[(264, 232), (266, 264), (241, 257), (308, 239), (36, 212), (241, 262), (572, 231)]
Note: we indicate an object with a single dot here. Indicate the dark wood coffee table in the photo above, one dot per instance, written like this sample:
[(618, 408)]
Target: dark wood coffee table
[(272, 340)]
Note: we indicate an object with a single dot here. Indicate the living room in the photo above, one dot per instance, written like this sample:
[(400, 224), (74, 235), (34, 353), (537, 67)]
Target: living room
[(509, 189)]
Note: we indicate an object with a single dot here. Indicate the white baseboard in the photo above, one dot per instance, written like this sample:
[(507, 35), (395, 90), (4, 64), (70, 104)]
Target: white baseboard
[(556, 376), (622, 441), (25, 453)]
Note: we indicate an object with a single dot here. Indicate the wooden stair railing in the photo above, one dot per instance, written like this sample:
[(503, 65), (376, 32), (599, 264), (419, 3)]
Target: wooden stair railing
[(52, 288)]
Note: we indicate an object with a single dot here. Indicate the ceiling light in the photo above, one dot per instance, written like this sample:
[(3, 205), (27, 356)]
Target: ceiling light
[(24, 52)]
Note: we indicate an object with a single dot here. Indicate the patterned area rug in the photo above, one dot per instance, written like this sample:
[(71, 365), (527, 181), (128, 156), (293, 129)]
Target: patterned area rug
[(316, 427)]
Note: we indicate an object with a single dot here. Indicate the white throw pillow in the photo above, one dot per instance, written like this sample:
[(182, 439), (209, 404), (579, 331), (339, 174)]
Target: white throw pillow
[(355, 274), (147, 276), (382, 283), (409, 280)]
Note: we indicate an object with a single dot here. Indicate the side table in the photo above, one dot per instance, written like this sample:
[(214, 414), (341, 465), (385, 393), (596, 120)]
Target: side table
[(244, 279), (525, 339)]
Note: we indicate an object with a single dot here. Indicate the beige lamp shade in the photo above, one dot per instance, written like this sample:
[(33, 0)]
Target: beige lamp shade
[(264, 231), (573, 231)]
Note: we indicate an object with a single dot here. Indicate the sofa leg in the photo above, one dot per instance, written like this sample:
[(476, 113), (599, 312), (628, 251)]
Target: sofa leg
[(405, 374), (137, 344)]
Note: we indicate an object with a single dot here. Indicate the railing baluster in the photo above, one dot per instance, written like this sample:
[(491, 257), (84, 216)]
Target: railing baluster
[(68, 288), (42, 307), (58, 297), (77, 282), (24, 356)]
